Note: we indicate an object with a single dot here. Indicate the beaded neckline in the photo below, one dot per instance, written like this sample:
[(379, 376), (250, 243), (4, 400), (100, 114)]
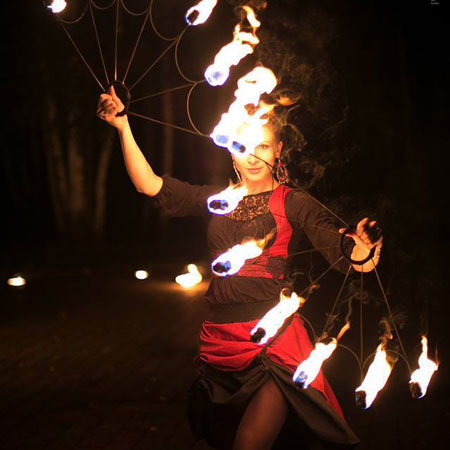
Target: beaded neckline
[(251, 206)]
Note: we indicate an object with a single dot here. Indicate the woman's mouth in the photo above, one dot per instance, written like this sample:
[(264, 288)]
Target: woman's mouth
[(255, 170)]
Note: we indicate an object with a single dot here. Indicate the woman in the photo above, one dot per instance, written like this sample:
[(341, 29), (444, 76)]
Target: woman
[(244, 397)]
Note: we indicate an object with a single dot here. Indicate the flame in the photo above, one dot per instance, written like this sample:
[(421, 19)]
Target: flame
[(227, 200), (232, 260), (269, 325), (243, 44), (308, 369), (17, 281), (57, 6), (191, 278), (421, 377), (375, 379), (240, 130), (198, 14)]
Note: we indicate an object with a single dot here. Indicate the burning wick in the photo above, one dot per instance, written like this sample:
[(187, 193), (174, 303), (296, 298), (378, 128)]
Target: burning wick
[(269, 325), (308, 370), (57, 6), (16, 281), (231, 261), (243, 44), (141, 274), (375, 379), (226, 201), (190, 279), (421, 377), (198, 14), (238, 130)]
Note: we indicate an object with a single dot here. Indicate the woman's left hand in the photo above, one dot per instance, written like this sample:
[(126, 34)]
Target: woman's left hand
[(367, 234)]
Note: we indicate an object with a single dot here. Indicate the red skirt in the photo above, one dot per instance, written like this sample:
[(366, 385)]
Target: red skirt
[(227, 347)]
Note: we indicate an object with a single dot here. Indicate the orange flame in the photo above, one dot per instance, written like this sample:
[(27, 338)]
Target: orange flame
[(57, 6), (239, 130), (231, 54), (375, 379), (308, 370), (198, 14), (269, 325), (421, 377), (227, 200), (191, 278), (231, 261)]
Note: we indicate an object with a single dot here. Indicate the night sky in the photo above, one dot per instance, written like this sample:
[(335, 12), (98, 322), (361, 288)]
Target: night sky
[(389, 160)]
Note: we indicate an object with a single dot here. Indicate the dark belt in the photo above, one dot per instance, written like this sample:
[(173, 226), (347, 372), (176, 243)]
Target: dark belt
[(239, 312)]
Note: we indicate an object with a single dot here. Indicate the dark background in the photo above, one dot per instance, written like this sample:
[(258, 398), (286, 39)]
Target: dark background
[(386, 65)]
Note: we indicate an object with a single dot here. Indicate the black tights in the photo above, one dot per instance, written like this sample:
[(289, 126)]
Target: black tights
[(262, 420)]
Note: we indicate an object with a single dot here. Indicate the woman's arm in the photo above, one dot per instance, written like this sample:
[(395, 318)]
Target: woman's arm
[(139, 170)]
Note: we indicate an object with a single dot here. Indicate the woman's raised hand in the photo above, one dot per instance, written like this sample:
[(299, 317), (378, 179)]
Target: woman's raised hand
[(367, 234), (109, 105)]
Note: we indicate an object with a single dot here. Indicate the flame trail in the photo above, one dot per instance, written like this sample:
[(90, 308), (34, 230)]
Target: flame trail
[(421, 377), (240, 129), (57, 6), (269, 325), (375, 379), (308, 369), (198, 14), (243, 44), (191, 278), (227, 200), (231, 261)]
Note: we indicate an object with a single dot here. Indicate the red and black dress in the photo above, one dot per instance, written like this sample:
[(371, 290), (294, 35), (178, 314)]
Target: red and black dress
[(231, 367)]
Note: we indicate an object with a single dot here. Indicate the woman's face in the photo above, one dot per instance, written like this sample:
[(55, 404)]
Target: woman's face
[(252, 167)]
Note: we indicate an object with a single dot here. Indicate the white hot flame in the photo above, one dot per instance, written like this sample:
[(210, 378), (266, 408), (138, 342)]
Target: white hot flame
[(239, 131), (231, 261), (198, 14), (427, 367), (376, 376), (227, 200), (57, 6), (191, 278), (269, 325), (17, 281), (243, 44), (308, 369)]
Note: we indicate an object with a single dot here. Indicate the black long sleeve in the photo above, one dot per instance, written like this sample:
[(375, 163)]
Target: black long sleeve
[(179, 198), (306, 214)]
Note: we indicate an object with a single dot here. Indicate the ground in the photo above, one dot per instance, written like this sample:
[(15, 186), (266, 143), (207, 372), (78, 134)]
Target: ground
[(98, 360)]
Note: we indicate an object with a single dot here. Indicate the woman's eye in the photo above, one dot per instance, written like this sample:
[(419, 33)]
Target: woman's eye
[(263, 146)]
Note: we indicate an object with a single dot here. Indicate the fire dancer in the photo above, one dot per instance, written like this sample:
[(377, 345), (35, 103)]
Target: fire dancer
[(244, 397)]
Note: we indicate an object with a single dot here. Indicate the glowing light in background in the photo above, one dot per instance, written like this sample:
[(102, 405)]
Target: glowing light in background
[(375, 379), (227, 200), (272, 321), (191, 278), (240, 129), (231, 54), (16, 281), (198, 14), (57, 6), (421, 377), (141, 274), (231, 261)]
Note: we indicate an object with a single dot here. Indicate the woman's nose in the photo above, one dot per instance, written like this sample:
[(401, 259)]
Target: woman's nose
[(252, 159)]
